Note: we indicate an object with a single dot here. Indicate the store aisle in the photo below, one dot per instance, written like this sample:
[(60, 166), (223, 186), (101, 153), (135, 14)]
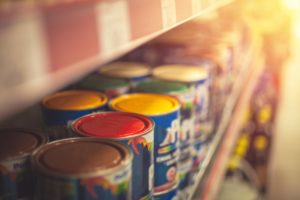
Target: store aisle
[(284, 170)]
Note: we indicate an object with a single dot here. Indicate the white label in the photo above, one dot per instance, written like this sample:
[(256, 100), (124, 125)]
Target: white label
[(168, 8), (113, 25), (196, 6), (22, 52)]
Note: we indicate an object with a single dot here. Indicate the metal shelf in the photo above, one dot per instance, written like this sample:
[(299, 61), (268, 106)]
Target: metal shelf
[(46, 46), (213, 168)]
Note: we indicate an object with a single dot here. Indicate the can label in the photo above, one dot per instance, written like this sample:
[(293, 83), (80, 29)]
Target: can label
[(186, 131), (199, 152), (201, 106), (185, 178), (115, 186), (170, 194), (16, 179), (143, 159), (165, 150)]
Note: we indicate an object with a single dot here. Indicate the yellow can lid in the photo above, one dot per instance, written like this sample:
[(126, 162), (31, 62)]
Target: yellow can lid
[(125, 70), (181, 73), (75, 100), (146, 104)]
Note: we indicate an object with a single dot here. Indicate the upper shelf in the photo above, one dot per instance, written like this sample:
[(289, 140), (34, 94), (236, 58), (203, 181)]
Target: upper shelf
[(48, 44)]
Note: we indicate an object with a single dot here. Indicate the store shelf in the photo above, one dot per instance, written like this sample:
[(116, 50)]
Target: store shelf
[(62, 41), (213, 168)]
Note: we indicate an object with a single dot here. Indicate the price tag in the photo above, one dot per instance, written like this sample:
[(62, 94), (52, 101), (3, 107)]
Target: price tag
[(168, 8), (113, 25), (22, 52), (196, 6)]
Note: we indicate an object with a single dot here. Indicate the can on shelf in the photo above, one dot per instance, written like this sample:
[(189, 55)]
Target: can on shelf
[(133, 72), (196, 78), (110, 86), (134, 130), (169, 194), (60, 108), (186, 98), (185, 178), (16, 147), (164, 110), (83, 168), (199, 153)]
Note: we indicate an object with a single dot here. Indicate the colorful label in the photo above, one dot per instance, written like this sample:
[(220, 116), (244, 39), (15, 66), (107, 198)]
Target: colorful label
[(201, 105), (165, 150), (142, 166), (186, 131), (16, 179), (116, 186), (170, 194), (185, 178), (199, 152)]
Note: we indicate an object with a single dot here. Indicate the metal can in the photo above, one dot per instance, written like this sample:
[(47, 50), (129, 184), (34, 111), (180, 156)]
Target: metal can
[(164, 110), (186, 97), (199, 154), (110, 86), (83, 168), (170, 194), (133, 72), (196, 78), (62, 107), (16, 147), (185, 178), (133, 130)]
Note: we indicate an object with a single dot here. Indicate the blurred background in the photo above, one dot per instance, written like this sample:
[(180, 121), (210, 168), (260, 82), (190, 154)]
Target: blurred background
[(250, 130)]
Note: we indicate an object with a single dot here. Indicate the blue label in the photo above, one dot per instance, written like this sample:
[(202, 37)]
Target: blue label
[(168, 195), (142, 165)]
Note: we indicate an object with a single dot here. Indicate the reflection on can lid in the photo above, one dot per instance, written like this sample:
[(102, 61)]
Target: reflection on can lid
[(75, 100), (181, 73), (15, 142), (116, 125), (125, 70), (84, 156), (146, 104), (160, 86)]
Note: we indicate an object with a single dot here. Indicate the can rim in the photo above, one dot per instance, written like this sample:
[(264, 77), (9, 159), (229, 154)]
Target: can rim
[(37, 165), (43, 139), (75, 129), (176, 107)]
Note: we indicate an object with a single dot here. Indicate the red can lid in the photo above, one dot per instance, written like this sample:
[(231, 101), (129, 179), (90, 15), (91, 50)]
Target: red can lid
[(112, 125)]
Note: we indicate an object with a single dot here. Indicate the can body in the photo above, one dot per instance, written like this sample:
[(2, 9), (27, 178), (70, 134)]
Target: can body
[(170, 194), (199, 153), (182, 92), (185, 178), (96, 183), (165, 112), (58, 115), (139, 139), (16, 177)]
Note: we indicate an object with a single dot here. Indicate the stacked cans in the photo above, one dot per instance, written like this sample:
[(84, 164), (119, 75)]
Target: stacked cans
[(62, 107), (165, 112), (16, 176), (195, 79), (133, 130)]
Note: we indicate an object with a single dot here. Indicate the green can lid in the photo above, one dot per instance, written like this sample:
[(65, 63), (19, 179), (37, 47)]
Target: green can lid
[(160, 86), (102, 83)]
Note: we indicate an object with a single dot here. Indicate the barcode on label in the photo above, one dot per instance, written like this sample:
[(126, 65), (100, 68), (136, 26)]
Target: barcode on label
[(168, 8), (113, 25)]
